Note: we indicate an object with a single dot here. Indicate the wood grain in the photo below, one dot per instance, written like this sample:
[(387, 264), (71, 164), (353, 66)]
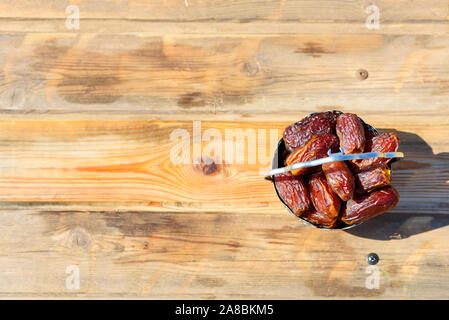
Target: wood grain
[(114, 161), (87, 116), (212, 255), (232, 78), (243, 11), (104, 196)]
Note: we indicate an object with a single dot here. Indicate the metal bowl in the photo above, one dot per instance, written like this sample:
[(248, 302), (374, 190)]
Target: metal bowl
[(278, 161)]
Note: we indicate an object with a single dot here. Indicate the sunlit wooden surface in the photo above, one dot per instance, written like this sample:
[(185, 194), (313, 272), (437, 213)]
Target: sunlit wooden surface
[(87, 117)]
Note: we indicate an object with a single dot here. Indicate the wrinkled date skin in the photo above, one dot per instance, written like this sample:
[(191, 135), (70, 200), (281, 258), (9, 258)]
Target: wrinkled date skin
[(373, 178), (319, 219), (351, 133), (340, 179), (342, 193), (316, 148), (385, 142), (293, 190), (323, 198), (370, 205), (298, 134)]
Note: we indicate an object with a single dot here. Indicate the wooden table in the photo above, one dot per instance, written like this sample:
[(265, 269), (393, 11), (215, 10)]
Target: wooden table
[(90, 116)]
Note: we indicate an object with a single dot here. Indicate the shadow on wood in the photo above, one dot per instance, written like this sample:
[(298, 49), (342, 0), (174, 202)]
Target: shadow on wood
[(422, 179)]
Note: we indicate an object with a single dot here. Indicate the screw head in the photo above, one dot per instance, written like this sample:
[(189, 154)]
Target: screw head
[(362, 74), (372, 258)]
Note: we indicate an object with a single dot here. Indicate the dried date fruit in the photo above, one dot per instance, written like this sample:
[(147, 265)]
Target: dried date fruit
[(319, 219), (340, 179), (385, 142), (364, 207), (323, 198), (293, 190), (351, 133), (298, 134), (373, 178), (339, 192), (316, 148)]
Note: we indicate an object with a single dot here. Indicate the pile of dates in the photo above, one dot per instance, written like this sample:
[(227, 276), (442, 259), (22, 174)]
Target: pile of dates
[(337, 194)]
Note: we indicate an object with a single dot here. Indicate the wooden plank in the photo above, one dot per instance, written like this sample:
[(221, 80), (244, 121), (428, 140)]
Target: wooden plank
[(243, 11), (227, 17), (217, 255), (132, 162), (130, 76), (88, 117)]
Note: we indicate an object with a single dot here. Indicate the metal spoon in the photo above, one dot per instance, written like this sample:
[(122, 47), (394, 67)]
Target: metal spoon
[(333, 157)]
